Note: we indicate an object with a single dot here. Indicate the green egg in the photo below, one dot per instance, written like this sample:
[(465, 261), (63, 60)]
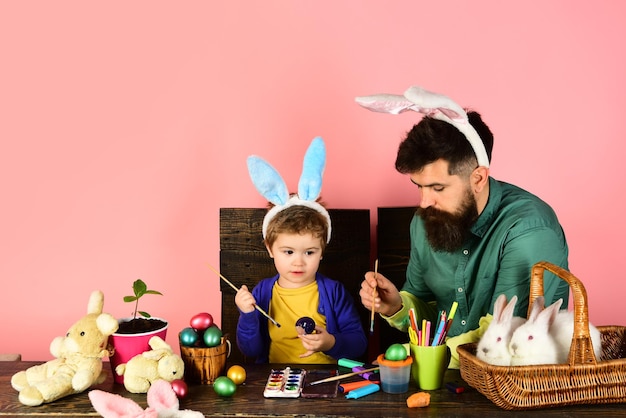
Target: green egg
[(212, 336), (224, 386), (396, 352)]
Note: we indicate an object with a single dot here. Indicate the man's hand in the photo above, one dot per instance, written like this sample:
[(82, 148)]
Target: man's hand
[(379, 291)]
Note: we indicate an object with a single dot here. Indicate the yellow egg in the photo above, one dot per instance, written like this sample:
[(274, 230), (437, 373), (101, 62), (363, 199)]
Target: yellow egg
[(237, 374)]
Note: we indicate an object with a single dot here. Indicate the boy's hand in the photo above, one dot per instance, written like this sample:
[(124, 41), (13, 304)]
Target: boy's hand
[(320, 340), (244, 300)]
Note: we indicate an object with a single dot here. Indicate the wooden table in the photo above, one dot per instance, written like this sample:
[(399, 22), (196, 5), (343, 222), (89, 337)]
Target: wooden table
[(248, 401)]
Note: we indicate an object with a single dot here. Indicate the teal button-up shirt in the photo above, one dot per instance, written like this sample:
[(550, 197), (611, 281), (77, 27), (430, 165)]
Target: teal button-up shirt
[(515, 230)]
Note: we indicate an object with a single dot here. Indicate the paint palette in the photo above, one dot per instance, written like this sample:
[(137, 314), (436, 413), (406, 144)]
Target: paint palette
[(285, 383)]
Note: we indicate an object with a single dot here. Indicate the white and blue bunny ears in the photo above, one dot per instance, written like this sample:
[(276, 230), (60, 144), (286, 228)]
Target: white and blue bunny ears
[(271, 185), (431, 104)]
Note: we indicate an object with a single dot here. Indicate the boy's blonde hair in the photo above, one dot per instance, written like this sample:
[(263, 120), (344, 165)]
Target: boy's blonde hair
[(297, 219)]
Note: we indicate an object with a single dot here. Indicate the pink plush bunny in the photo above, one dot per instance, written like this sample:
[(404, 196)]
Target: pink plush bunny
[(162, 403)]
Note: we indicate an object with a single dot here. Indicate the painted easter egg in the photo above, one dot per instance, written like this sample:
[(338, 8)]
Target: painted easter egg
[(237, 374), (212, 336), (224, 386), (396, 352), (189, 337), (180, 388), (307, 324), (201, 321)]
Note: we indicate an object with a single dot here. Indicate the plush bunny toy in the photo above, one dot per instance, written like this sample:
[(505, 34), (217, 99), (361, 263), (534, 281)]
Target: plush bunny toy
[(162, 403), (78, 362), (160, 362), (271, 185), (430, 104)]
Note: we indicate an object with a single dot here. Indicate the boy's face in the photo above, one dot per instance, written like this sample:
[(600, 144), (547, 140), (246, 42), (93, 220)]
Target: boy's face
[(297, 258)]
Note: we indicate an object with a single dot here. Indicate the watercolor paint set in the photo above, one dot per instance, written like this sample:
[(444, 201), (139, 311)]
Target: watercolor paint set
[(296, 382), (284, 383)]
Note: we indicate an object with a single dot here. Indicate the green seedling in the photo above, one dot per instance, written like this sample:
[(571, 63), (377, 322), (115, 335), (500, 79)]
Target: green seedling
[(140, 289)]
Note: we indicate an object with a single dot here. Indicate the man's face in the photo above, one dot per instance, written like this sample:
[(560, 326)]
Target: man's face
[(447, 206)]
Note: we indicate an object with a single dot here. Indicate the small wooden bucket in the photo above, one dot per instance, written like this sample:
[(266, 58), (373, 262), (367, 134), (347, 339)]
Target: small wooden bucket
[(205, 364)]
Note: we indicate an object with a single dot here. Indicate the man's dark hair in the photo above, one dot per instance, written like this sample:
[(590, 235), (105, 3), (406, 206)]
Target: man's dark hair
[(433, 139)]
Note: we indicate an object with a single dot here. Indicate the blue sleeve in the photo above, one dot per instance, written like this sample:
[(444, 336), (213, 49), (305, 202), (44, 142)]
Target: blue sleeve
[(342, 321), (252, 332)]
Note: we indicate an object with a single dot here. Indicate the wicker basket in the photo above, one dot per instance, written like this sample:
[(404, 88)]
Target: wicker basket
[(205, 364), (582, 380)]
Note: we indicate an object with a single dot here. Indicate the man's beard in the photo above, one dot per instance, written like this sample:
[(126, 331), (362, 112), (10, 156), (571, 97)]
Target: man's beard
[(447, 231)]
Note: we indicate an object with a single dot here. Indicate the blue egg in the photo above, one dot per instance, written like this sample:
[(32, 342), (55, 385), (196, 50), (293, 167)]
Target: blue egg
[(189, 337)]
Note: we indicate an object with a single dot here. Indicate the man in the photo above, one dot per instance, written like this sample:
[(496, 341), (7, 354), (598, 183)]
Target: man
[(473, 237)]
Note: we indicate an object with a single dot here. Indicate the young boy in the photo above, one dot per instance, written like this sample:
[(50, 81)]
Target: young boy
[(295, 239), (296, 230)]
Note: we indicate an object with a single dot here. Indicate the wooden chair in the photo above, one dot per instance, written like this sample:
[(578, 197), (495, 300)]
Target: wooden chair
[(394, 246), (244, 259)]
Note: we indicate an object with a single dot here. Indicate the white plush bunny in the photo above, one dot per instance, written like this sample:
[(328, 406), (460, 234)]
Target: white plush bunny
[(162, 403), (493, 347), (546, 337)]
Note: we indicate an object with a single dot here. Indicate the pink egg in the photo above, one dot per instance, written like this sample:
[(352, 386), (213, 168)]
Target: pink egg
[(201, 321), (180, 388)]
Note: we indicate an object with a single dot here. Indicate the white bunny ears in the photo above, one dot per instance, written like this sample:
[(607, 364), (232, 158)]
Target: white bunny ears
[(431, 104), (271, 185), (162, 402)]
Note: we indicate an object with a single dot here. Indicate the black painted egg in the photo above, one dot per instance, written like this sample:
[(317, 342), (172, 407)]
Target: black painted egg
[(307, 324)]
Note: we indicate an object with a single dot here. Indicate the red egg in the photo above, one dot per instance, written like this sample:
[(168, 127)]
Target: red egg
[(180, 388), (201, 321)]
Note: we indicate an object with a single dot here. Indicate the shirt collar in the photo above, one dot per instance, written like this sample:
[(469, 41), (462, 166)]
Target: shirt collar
[(486, 218)]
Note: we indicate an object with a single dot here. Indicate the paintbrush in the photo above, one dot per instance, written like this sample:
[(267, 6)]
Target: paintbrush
[(236, 290), (373, 296), (341, 376)]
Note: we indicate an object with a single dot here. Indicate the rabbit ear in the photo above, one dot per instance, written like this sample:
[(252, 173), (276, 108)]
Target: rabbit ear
[(507, 313), (498, 307), (162, 396), (431, 104), (386, 103), (267, 180), (110, 405), (536, 309), (553, 309), (310, 184)]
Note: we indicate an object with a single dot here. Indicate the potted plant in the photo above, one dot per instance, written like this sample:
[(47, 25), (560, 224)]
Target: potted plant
[(134, 333)]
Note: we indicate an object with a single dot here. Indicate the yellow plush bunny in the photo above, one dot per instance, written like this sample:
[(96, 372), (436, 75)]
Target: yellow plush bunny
[(78, 362), (158, 363)]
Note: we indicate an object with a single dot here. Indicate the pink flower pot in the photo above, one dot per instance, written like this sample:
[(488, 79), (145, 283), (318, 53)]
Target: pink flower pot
[(127, 346)]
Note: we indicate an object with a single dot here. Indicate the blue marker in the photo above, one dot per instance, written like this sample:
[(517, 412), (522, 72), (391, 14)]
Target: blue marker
[(362, 391)]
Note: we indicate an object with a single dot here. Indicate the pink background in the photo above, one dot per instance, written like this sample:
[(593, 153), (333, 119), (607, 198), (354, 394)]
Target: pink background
[(125, 127)]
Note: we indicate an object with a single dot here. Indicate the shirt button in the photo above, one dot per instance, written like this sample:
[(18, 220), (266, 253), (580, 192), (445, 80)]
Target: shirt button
[(460, 290), (466, 252), (463, 322)]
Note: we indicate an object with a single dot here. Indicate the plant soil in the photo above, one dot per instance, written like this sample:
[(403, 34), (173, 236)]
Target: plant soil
[(140, 325)]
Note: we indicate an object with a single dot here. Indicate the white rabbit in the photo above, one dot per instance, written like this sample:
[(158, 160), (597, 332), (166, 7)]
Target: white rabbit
[(562, 330), (493, 347), (547, 336)]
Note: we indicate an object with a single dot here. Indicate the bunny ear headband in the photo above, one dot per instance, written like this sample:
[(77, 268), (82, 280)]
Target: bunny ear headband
[(430, 104), (271, 185)]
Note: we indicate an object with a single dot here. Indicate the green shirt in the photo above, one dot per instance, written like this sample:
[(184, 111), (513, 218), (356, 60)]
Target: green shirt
[(515, 230)]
